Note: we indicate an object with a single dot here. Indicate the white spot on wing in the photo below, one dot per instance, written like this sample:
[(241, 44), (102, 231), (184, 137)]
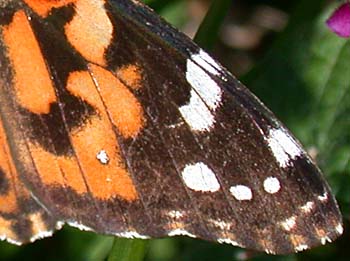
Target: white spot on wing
[(79, 226), (175, 214), (223, 225), (130, 234), (59, 225), (307, 207), (11, 241), (283, 146), (180, 232), (269, 251), (205, 61), (205, 95), (204, 85), (325, 239), (125, 234), (241, 192), (272, 185), (323, 197), (228, 241), (339, 229), (200, 178), (289, 223), (197, 114), (301, 247), (102, 157), (41, 235)]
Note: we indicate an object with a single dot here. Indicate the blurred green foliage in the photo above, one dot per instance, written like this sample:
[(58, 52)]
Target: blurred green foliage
[(304, 78)]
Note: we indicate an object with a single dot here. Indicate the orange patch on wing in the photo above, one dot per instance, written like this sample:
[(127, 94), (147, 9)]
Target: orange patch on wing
[(38, 224), (123, 108), (130, 75), (32, 83), (95, 135), (57, 170), (43, 7), (297, 240), (321, 233), (90, 31), (8, 201), (5, 229)]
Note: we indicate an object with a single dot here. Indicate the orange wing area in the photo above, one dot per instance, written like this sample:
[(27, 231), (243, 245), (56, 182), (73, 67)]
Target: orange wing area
[(93, 169), (22, 219)]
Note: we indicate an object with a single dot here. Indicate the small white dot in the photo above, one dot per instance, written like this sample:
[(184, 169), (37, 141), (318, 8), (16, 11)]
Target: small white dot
[(241, 192), (323, 197), (301, 247), (339, 229), (180, 232), (325, 239), (200, 177), (289, 223), (228, 241), (283, 146), (175, 214), (307, 207), (102, 157), (272, 185), (223, 225)]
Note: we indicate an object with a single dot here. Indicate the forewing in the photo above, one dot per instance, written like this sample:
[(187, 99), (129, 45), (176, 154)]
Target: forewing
[(122, 125)]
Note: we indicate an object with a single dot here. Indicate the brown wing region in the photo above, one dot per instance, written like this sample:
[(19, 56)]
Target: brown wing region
[(97, 130)]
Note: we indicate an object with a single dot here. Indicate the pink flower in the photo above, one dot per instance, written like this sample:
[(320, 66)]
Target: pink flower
[(339, 22)]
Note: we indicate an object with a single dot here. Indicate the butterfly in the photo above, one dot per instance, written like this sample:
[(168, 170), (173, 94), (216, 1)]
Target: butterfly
[(113, 121)]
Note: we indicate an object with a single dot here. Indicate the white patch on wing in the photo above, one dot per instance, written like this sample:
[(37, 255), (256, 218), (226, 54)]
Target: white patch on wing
[(325, 239), (102, 156), (41, 235), (269, 251), (205, 86), (228, 241), (223, 225), (307, 207), (11, 241), (180, 232), (323, 197), (79, 226), (241, 192), (59, 225), (206, 61), (283, 146), (200, 177), (196, 114), (301, 247), (272, 185), (131, 234), (175, 214), (339, 229), (289, 223), (206, 94)]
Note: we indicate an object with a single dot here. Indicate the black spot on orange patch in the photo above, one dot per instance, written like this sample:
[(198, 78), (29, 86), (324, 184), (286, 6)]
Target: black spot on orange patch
[(44, 128)]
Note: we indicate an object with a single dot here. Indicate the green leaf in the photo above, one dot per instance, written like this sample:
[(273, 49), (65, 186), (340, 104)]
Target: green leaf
[(128, 250), (207, 33)]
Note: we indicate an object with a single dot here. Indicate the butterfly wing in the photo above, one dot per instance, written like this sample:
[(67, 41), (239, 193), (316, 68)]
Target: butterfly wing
[(122, 125)]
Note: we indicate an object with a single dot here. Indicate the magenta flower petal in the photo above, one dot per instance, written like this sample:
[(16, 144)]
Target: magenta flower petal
[(339, 22)]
